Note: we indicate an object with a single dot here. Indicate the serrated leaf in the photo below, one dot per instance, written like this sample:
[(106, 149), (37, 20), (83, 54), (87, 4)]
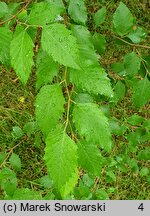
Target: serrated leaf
[(21, 51), (116, 128), (132, 64), (101, 194), (144, 171), (135, 119), (99, 42), (2, 157), (99, 17), (58, 3), (137, 35), (15, 161), (26, 194), (144, 154), (8, 180), (118, 67), (45, 181), (110, 176), (87, 53), (17, 132), (43, 13), (29, 128), (91, 80), (22, 16), (49, 107), (119, 92), (89, 157), (83, 98), (58, 42), (3, 9), (123, 20), (12, 9), (77, 11), (46, 69), (61, 160), (5, 40), (92, 125), (141, 92)]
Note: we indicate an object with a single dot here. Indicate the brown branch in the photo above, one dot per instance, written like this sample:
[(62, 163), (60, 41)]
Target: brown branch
[(69, 99), (133, 45), (14, 16)]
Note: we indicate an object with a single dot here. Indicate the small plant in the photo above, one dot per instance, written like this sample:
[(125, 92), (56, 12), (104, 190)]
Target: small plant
[(53, 39)]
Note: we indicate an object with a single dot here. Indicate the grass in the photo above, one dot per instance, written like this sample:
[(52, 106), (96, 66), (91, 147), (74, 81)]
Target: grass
[(17, 108)]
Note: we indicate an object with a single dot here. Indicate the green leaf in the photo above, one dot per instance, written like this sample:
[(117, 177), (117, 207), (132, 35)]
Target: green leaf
[(49, 107), (135, 120), (43, 13), (61, 160), (89, 182), (91, 80), (57, 3), (118, 67), (45, 181), (8, 181), (83, 98), (132, 64), (22, 16), (89, 157), (99, 17), (110, 176), (144, 154), (12, 10), (26, 194), (77, 11), (2, 157), (87, 53), (5, 40), (141, 92), (17, 132), (99, 42), (21, 51), (119, 92), (134, 165), (29, 128), (144, 171), (101, 194), (123, 20), (137, 35), (3, 9), (15, 161), (46, 69), (92, 125), (116, 128), (58, 42)]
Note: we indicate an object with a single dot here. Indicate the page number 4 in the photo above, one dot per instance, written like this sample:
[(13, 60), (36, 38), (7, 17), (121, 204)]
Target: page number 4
[(141, 207)]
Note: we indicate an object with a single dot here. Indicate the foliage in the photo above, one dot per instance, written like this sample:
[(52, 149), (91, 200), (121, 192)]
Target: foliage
[(73, 93)]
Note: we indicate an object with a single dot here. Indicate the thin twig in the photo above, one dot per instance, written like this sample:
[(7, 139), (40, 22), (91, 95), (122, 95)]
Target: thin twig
[(133, 45), (69, 100), (143, 62), (14, 16), (9, 153)]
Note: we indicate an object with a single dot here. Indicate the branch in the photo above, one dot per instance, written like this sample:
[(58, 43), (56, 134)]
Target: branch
[(134, 45), (14, 16), (10, 152), (69, 100)]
